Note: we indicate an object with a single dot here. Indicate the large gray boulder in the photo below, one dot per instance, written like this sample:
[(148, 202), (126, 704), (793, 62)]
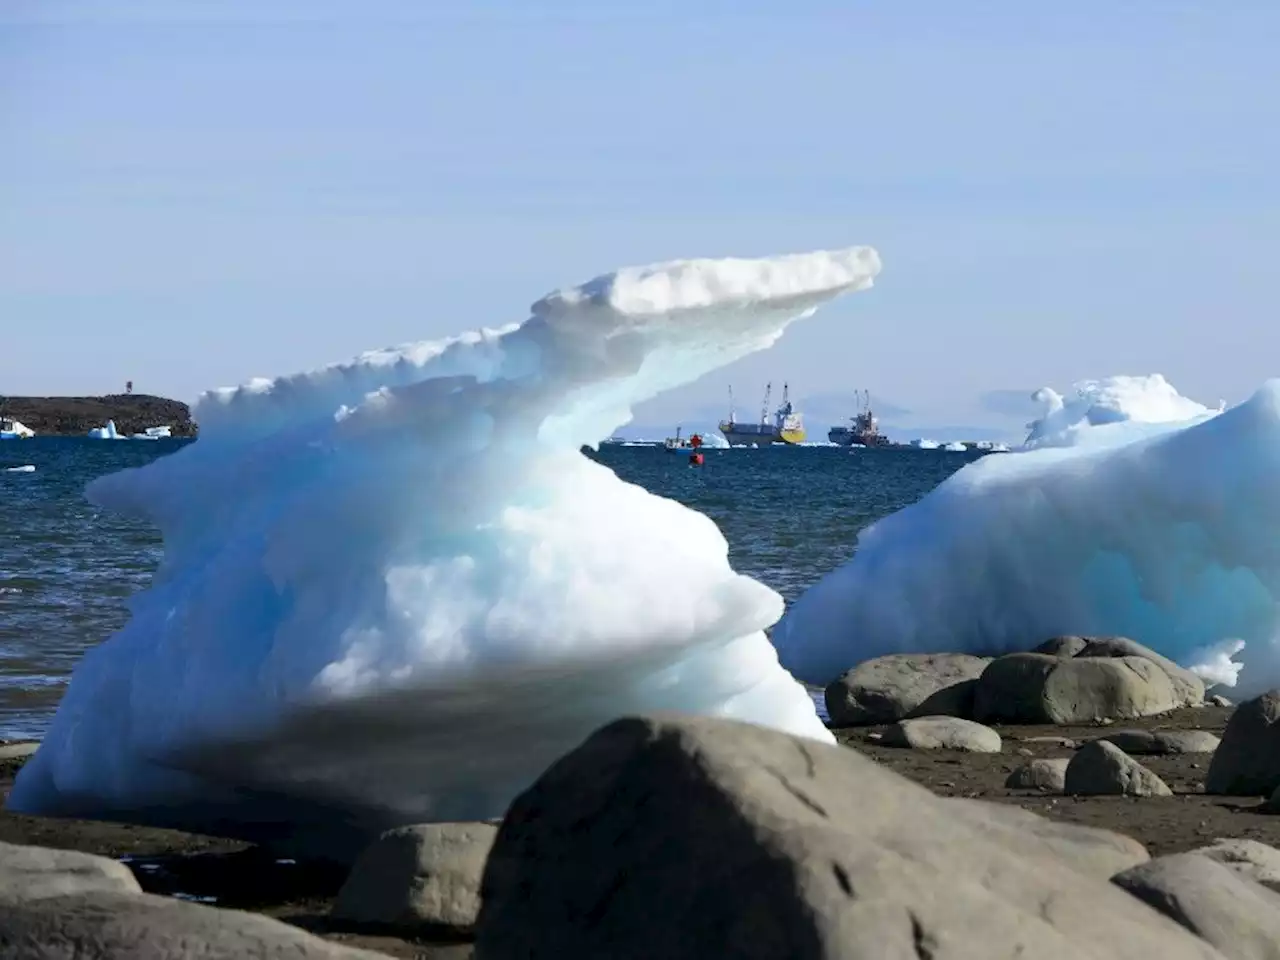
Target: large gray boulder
[(102, 925), (419, 878), (692, 837), (1257, 861), (942, 733), (1100, 768), (1049, 776), (1040, 688), (1188, 687), (904, 685), (31, 872), (1090, 850), (1062, 646), (1247, 763), (1162, 742), (1239, 917)]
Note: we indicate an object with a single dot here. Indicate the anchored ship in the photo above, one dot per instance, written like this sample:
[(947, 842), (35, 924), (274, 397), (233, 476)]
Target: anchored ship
[(864, 430), (787, 425)]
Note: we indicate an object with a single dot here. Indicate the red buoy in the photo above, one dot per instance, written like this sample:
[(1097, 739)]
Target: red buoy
[(695, 459), (695, 441)]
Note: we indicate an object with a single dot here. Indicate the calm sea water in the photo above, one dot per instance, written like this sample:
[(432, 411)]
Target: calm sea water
[(67, 569)]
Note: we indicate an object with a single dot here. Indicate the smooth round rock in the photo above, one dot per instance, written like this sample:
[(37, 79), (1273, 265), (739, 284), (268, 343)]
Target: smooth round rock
[(1049, 776), (943, 733), (425, 876), (894, 687), (1247, 763), (1039, 688), (1163, 742), (1100, 768)]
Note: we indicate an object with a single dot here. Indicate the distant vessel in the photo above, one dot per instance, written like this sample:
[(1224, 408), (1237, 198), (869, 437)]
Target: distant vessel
[(11, 429), (864, 430), (787, 425), (678, 444)]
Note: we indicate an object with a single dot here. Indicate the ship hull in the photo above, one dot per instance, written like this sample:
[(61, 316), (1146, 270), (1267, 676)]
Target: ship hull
[(846, 438), (743, 435)]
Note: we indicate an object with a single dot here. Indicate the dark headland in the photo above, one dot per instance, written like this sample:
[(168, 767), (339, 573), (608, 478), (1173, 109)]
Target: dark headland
[(76, 416)]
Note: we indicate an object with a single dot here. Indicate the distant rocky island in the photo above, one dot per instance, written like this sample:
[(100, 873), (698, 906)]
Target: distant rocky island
[(76, 416)]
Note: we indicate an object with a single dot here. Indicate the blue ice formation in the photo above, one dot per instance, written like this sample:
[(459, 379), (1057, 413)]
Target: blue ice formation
[(394, 590), (1133, 512)]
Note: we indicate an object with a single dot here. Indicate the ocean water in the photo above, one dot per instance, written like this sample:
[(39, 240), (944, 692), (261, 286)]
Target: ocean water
[(67, 569)]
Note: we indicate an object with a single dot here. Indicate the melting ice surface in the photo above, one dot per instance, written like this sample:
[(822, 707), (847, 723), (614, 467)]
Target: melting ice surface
[(1137, 512), (105, 433), (394, 590)]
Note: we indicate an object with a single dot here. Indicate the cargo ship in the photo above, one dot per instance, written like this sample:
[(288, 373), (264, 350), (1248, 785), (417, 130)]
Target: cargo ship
[(787, 425), (864, 430)]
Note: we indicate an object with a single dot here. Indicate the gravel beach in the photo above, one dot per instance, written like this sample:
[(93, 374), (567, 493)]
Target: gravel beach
[(215, 871), (233, 874), (1185, 821)]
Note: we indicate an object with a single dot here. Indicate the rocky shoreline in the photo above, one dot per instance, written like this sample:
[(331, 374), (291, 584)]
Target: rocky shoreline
[(212, 871), (76, 416), (1073, 823)]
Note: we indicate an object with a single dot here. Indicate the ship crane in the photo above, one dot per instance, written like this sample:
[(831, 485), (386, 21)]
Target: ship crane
[(783, 425), (865, 429)]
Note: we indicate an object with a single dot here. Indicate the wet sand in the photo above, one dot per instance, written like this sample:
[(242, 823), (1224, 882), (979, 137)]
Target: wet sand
[(233, 874)]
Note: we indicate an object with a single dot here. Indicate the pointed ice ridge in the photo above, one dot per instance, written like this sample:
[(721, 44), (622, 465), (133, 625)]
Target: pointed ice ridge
[(394, 589)]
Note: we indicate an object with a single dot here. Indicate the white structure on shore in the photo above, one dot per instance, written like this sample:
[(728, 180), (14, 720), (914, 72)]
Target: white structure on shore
[(395, 590)]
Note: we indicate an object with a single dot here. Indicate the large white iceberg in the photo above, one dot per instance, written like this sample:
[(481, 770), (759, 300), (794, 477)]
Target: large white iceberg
[(1152, 517), (1145, 405), (394, 590)]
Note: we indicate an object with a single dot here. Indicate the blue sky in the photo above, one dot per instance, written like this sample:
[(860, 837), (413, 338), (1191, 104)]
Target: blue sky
[(195, 192)]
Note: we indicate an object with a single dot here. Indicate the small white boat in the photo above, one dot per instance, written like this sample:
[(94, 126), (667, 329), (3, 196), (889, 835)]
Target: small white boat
[(11, 429), (679, 444)]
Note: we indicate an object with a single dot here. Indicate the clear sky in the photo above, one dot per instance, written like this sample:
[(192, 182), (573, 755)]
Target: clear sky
[(194, 192)]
